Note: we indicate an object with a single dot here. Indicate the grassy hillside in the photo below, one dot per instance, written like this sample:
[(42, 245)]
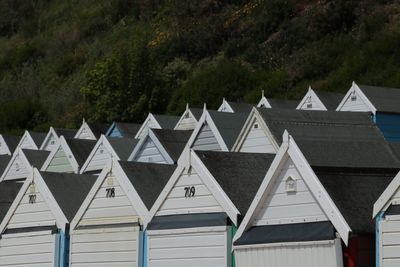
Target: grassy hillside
[(119, 59)]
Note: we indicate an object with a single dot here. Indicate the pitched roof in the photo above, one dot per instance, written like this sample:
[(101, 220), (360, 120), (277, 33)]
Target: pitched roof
[(4, 160), (173, 141), (128, 129), (355, 194), (38, 138), (239, 174), (384, 99), (282, 103), (67, 133), (36, 157), (8, 191), (12, 141), (228, 124), (333, 139), (122, 146), (241, 107), (197, 112), (98, 128), (330, 100), (81, 149), (166, 121), (69, 190), (148, 179)]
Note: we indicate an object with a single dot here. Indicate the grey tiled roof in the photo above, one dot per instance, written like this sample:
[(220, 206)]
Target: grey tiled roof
[(122, 146), (166, 121), (36, 157), (69, 190), (67, 133), (229, 125), (81, 149), (148, 179), (239, 174), (173, 141), (330, 100), (8, 191), (384, 99)]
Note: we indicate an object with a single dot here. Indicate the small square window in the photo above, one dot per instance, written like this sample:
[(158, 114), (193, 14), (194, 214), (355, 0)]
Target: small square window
[(256, 126), (309, 105)]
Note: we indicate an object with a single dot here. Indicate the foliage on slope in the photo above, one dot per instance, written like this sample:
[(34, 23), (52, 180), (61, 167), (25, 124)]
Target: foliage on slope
[(118, 59)]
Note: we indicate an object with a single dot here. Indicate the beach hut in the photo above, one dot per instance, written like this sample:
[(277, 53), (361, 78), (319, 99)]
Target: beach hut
[(108, 229), (35, 229), (193, 220)]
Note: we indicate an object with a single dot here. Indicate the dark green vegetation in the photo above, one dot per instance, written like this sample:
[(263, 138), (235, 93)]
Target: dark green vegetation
[(118, 59)]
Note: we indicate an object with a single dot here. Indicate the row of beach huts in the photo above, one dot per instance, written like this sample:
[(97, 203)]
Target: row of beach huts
[(279, 184)]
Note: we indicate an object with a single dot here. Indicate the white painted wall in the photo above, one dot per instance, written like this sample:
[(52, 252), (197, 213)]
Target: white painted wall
[(390, 242), (3, 147), (85, 134), (205, 140), (150, 124), (103, 210), (311, 104), (355, 105), (282, 207), (187, 123), (27, 143), (17, 169), (194, 249), (177, 203), (60, 162), (150, 153), (31, 215), (257, 141), (111, 247), (28, 249), (311, 255), (51, 143), (101, 157)]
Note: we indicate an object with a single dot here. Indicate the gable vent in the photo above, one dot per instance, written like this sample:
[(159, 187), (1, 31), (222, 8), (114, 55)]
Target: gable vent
[(353, 96), (290, 185)]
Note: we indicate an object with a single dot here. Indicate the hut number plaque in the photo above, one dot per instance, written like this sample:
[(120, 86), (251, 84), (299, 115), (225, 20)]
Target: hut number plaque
[(110, 192), (32, 199), (190, 191)]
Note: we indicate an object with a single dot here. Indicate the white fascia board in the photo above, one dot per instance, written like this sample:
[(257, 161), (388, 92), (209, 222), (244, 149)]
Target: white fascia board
[(385, 197)]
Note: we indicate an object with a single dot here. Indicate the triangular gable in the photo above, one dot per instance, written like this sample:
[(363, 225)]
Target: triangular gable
[(27, 142), (225, 107), (255, 136), (270, 206), (391, 195), (263, 103), (356, 100), (101, 154), (311, 102), (4, 149), (50, 142), (18, 167), (61, 159), (34, 206), (85, 132), (192, 189), (111, 200), (113, 131), (149, 149), (149, 123), (206, 135), (187, 121)]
